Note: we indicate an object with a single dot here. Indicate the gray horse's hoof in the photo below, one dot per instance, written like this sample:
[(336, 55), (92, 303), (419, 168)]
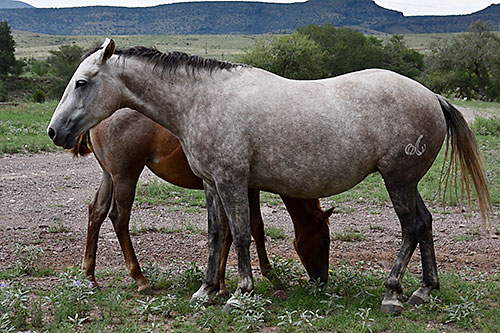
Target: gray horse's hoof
[(201, 296), (417, 299), (227, 308), (196, 300), (391, 307), (231, 304)]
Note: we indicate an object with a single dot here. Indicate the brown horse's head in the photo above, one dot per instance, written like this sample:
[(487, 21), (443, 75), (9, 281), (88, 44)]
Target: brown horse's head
[(313, 244), (312, 235)]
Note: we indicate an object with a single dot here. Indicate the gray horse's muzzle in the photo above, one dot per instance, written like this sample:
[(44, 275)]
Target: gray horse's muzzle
[(61, 138)]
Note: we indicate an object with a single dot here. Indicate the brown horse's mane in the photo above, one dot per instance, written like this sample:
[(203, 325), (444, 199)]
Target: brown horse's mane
[(83, 145), (171, 60)]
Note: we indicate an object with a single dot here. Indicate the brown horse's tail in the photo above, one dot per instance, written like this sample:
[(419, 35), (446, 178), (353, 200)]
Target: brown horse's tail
[(83, 145), (461, 147)]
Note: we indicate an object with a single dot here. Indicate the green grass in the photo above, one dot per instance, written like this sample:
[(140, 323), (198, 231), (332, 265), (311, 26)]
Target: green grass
[(275, 232), (59, 227), (467, 301), (270, 198), (492, 108), (157, 192), (422, 42), (224, 47), (349, 235), (36, 45), (23, 127)]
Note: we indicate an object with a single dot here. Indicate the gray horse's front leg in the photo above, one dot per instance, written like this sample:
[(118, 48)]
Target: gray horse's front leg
[(235, 201), (217, 224)]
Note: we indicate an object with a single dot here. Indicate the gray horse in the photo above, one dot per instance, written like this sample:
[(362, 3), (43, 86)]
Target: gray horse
[(243, 127)]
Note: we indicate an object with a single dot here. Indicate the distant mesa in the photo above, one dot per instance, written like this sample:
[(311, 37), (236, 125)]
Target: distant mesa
[(231, 17), (9, 4)]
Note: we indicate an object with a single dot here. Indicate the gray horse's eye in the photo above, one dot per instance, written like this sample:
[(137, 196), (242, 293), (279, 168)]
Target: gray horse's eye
[(80, 83)]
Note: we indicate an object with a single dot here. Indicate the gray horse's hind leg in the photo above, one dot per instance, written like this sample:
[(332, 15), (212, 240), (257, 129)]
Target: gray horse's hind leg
[(404, 201), (217, 224), (430, 279)]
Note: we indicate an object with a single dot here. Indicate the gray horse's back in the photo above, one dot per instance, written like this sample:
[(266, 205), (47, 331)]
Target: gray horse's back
[(356, 124)]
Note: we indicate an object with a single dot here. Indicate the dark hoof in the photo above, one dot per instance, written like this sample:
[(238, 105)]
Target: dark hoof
[(223, 293), (147, 291), (391, 308), (95, 285), (416, 299), (280, 294)]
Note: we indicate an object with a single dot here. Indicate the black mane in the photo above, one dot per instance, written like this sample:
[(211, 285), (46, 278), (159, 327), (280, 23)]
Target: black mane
[(171, 60), (174, 59)]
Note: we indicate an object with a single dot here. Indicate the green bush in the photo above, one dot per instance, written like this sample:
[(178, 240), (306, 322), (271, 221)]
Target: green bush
[(487, 126), (39, 96), (3, 92)]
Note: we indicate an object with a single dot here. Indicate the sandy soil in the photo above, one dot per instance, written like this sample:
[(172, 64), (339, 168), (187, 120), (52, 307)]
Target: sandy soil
[(38, 192)]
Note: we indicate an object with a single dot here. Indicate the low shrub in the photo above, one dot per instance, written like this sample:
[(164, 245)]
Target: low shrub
[(39, 96)]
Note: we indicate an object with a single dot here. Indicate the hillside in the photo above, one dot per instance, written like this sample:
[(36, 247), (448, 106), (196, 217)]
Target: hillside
[(233, 18), (14, 4)]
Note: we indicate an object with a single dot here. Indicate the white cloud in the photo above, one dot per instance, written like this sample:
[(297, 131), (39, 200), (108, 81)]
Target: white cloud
[(432, 7)]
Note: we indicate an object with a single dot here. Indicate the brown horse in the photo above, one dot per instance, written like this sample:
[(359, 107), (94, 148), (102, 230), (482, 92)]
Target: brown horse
[(126, 142)]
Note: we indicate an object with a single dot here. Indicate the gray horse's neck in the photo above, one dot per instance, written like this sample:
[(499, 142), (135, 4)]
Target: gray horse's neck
[(167, 97)]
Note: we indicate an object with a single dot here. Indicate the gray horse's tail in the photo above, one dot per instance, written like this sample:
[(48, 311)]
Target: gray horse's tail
[(463, 151)]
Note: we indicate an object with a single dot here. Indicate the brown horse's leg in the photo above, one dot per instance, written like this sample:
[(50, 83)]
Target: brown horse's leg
[(404, 199), (312, 235), (257, 230), (123, 198), (98, 210), (223, 262), (430, 279)]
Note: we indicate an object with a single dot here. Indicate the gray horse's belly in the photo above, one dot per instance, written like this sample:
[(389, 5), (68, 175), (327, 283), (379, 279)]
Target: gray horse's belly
[(318, 179)]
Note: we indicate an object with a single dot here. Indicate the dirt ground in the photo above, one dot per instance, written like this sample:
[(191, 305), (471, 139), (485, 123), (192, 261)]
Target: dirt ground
[(41, 192)]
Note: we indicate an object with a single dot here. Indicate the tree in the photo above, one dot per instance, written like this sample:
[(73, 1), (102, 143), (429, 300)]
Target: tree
[(319, 51), (401, 59), (8, 62), (468, 66), (294, 56), (62, 63), (346, 50)]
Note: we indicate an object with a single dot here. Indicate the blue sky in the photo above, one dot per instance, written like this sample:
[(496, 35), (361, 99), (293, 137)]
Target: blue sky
[(408, 7)]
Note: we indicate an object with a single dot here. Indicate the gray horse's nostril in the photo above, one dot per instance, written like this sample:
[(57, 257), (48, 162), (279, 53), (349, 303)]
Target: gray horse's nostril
[(52, 133)]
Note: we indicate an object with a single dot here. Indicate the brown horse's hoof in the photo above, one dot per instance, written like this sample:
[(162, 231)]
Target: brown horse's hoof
[(95, 285), (391, 307), (223, 293), (147, 291)]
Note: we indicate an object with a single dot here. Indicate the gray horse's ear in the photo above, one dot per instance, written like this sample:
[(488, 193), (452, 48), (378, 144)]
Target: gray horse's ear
[(109, 49)]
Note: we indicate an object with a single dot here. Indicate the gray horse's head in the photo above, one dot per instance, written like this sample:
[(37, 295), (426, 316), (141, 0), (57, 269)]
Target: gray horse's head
[(91, 96)]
